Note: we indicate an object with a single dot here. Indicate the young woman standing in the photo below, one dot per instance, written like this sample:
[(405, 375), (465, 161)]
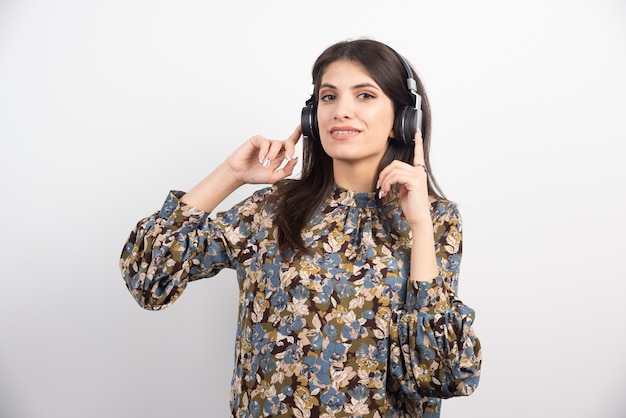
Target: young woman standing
[(348, 275)]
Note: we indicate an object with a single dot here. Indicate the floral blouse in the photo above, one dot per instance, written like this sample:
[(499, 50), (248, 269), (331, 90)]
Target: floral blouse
[(339, 332)]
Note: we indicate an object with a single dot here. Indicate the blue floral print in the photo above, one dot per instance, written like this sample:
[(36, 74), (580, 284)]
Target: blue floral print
[(339, 332)]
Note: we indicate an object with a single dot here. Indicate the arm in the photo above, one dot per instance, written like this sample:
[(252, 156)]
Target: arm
[(179, 243), (415, 202), (434, 350), (168, 249)]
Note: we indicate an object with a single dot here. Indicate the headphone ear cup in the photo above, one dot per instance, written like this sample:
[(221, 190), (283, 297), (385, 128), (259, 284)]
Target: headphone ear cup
[(405, 125), (308, 122)]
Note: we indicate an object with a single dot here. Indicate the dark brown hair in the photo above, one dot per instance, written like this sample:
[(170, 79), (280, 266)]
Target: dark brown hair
[(299, 199)]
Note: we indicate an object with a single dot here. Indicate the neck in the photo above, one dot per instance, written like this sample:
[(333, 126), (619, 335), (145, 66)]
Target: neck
[(357, 177)]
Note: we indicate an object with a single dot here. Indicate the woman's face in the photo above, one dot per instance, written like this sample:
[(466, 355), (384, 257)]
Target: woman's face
[(355, 117)]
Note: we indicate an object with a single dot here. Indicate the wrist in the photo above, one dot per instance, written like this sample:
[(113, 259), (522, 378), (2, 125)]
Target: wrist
[(227, 177), (214, 188), (423, 224)]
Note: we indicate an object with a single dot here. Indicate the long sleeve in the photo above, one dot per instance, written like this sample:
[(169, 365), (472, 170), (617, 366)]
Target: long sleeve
[(170, 248), (337, 331), (434, 350)]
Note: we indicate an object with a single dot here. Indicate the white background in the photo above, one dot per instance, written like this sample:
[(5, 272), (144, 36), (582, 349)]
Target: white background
[(107, 105)]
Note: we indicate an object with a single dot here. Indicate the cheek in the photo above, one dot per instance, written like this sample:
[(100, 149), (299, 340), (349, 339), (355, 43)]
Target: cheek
[(323, 115), (384, 121)]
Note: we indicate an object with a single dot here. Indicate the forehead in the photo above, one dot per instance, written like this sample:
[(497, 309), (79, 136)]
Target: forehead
[(344, 69)]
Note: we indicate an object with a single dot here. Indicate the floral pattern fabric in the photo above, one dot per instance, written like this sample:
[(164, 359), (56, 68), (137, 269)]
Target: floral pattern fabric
[(339, 332)]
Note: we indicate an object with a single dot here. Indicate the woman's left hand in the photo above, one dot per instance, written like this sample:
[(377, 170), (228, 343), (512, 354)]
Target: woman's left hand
[(413, 184)]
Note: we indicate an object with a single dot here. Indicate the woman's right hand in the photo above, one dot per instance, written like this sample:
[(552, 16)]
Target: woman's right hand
[(258, 159)]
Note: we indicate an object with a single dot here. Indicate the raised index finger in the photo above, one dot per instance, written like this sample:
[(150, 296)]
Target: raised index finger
[(418, 152)]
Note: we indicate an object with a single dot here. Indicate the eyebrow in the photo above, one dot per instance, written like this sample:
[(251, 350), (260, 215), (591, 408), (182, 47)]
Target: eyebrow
[(358, 86)]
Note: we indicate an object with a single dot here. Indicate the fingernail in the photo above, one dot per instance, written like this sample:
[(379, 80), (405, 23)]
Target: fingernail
[(378, 184), (380, 194), (288, 158), (266, 163)]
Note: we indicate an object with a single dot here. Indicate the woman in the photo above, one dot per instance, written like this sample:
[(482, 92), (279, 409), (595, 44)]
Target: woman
[(348, 275)]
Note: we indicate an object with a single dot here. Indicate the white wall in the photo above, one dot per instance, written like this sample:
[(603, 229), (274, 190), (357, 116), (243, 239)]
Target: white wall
[(105, 106)]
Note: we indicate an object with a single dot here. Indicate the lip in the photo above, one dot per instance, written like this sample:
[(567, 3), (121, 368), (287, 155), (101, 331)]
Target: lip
[(344, 132)]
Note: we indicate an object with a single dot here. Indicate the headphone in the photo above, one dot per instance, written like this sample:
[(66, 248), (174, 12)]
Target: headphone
[(407, 121)]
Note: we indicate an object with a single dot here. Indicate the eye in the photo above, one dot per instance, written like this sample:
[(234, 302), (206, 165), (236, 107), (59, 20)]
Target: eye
[(327, 97), (366, 95)]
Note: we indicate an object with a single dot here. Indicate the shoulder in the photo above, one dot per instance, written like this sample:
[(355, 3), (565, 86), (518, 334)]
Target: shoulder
[(259, 201), (264, 194), (445, 211)]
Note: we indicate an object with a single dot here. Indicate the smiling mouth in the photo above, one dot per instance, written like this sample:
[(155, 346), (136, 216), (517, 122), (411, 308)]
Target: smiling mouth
[(343, 131)]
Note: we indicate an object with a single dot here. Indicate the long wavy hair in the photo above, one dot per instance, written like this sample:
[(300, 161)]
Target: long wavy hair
[(299, 199)]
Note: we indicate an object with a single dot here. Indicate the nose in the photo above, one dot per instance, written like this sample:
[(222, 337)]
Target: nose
[(344, 108)]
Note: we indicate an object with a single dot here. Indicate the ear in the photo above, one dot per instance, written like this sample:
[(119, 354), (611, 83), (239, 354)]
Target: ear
[(397, 121)]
